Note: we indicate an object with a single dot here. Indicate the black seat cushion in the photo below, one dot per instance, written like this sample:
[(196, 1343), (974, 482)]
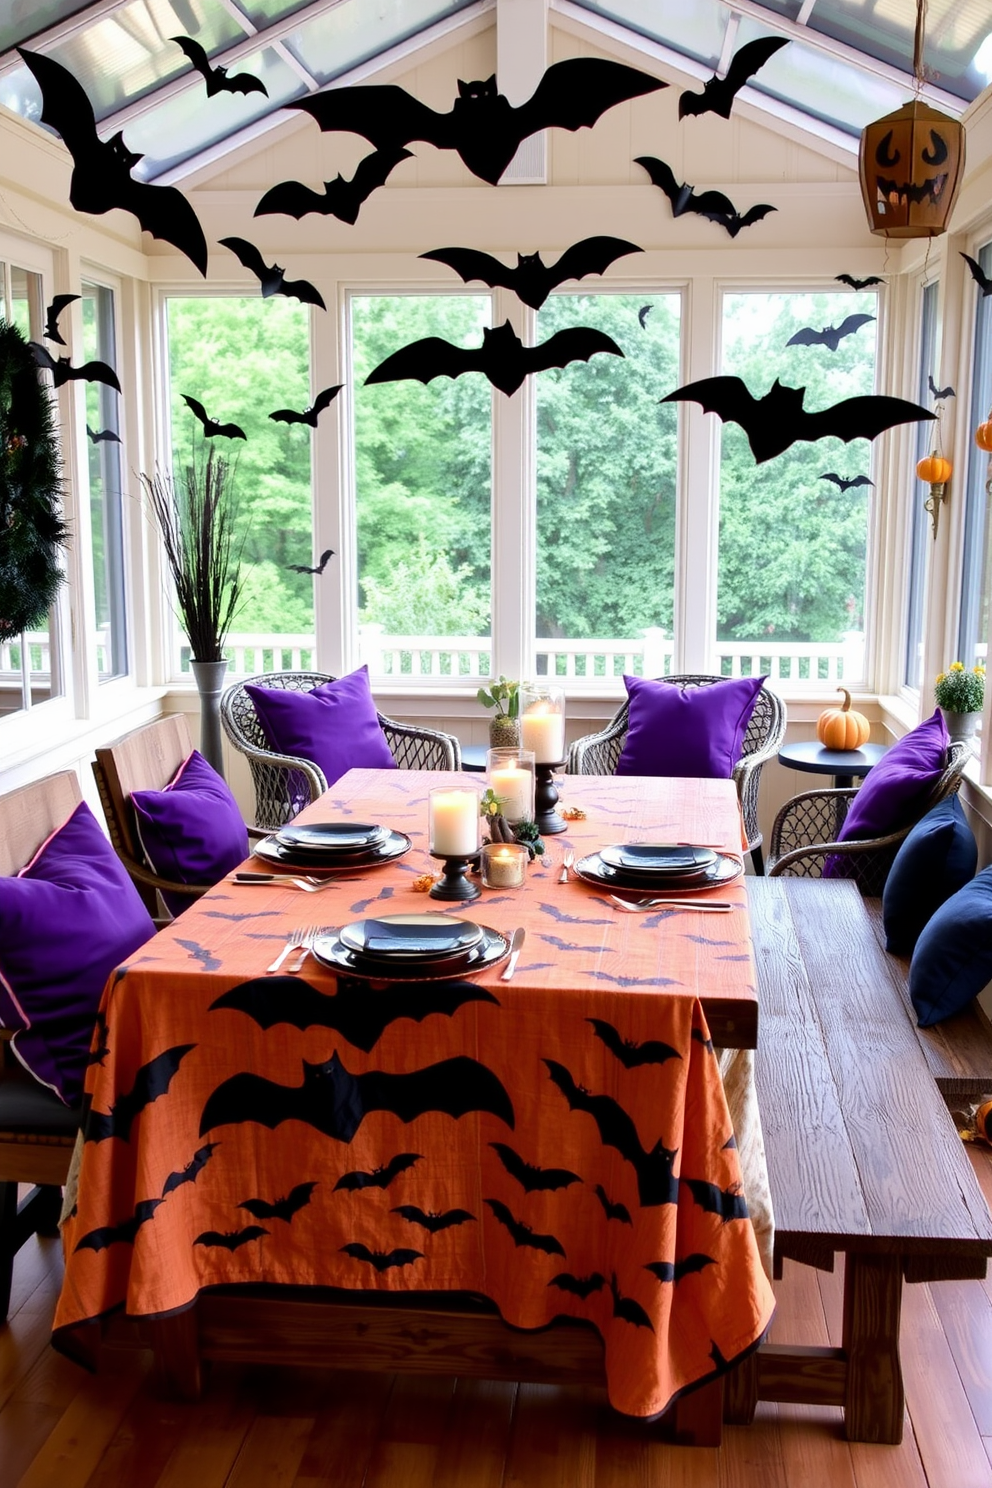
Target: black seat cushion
[(26, 1106)]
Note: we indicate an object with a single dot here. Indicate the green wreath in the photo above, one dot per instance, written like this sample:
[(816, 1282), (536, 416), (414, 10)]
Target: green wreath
[(32, 531)]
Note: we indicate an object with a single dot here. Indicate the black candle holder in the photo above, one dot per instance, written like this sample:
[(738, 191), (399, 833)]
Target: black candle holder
[(545, 800), (453, 884)]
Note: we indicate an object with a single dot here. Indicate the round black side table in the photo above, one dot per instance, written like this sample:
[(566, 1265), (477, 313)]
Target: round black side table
[(845, 765)]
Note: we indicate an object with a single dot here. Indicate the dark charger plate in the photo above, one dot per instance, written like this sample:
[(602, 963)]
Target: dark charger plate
[(331, 951), (392, 847), (724, 870)]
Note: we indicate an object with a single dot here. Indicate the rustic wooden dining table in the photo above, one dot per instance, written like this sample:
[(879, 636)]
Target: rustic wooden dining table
[(558, 1146)]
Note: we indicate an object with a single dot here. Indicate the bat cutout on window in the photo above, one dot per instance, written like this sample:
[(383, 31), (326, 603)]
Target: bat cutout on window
[(325, 556), (675, 1270), (627, 1309), (579, 1286), (522, 1234), (231, 1239), (150, 1081), (632, 1055), (62, 371), (936, 392), (272, 277), (618, 1212), (379, 1177), (382, 1260), (432, 1220), (502, 357), (482, 127), (843, 483), (217, 79), (54, 310), (978, 274), (102, 436), (310, 415), (830, 336), (718, 94), (858, 283), (654, 1167), (712, 205), (297, 1198), (192, 1170), (340, 198), (728, 1203), (778, 419), (532, 280), (642, 316), (101, 169), (531, 1178), (210, 426), (106, 1235)]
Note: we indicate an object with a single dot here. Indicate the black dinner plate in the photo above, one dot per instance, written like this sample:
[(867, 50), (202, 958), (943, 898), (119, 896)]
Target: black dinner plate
[(330, 950), (331, 837), (393, 846), (723, 871), (660, 859), (412, 937)]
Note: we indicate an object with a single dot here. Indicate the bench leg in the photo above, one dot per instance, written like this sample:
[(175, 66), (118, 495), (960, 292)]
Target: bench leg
[(696, 1418), (740, 1392), (874, 1401), (175, 1344)]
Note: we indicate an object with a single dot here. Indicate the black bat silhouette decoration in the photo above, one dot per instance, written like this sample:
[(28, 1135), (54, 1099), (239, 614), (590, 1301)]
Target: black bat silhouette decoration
[(325, 557), (843, 483), (627, 1309), (523, 1234), (382, 1260), (858, 283), (192, 1170), (52, 313), (102, 436), (431, 1220), (62, 370), (309, 415), (937, 392), (200, 953), (718, 94), (778, 419), (675, 1270), (531, 1178), (656, 1182), (502, 357), (978, 274), (482, 127), (106, 1235), (642, 316), (210, 426), (100, 1048), (359, 1018), (217, 79), (579, 1286), (829, 336), (712, 205), (707, 1043), (729, 1203), (272, 277), (379, 1177), (150, 1081), (231, 1239), (613, 1211), (297, 1198), (340, 198), (335, 1102), (101, 169), (632, 1055), (531, 280)]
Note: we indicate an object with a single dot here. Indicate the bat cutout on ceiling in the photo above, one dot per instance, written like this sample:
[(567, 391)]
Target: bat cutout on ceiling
[(858, 283), (483, 127), (340, 198), (712, 205), (231, 1239), (642, 316), (632, 1055), (101, 169), (432, 1220), (627, 1309), (382, 1260), (978, 274), (150, 1081), (379, 1177), (656, 1182), (62, 371), (728, 1203), (843, 483), (217, 79), (618, 1212), (531, 1178), (325, 557), (359, 1018), (502, 357), (675, 1270), (522, 1234), (937, 392), (579, 1286), (102, 436), (830, 336), (778, 419), (210, 426), (192, 1170), (272, 277), (106, 1235), (335, 1102), (54, 310), (531, 280), (718, 94), (309, 415)]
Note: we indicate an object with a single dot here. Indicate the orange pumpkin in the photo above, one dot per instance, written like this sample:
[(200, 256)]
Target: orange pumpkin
[(983, 436), (935, 470), (842, 728)]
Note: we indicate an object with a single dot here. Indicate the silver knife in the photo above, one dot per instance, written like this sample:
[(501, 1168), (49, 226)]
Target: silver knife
[(516, 941)]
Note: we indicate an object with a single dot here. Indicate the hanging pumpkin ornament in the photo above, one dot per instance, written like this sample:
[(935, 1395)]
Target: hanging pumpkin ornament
[(936, 471), (983, 435), (842, 728)]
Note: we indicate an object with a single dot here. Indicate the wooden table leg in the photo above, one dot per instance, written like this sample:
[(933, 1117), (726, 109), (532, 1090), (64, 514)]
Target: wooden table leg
[(740, 1393), (176, 1345), (696, 1418), (874, 1401)]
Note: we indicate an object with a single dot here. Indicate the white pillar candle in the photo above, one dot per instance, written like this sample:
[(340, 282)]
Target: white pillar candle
[(542, 729), (454, 823), (513, 788)]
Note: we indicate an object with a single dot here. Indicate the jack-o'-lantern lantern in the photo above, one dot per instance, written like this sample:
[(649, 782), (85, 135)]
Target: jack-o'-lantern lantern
[(911, 164)]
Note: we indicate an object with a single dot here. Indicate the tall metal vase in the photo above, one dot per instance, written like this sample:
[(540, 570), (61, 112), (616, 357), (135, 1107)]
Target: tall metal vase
[(209, 679)]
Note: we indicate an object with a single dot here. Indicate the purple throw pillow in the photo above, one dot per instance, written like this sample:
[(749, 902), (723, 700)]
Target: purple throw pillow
[(66, 921), (192, 831), (675, 730), (335, 726)]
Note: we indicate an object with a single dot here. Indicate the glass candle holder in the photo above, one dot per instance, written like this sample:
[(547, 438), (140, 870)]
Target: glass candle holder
[(511, 778), (453, 821), (504, 865), (542, 721)]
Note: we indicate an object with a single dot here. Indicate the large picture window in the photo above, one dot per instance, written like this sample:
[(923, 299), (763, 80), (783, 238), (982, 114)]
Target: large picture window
[(973, 631), (104, 457), (919, 546)]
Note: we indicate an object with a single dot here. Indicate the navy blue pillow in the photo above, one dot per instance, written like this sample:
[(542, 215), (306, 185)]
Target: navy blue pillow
[(938, 857), (953, 957)]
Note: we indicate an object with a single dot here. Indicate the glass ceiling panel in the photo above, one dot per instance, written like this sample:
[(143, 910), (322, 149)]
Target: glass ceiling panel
[(25, 18), (955, 29), (693, 27), (266, 12), (358, 29)]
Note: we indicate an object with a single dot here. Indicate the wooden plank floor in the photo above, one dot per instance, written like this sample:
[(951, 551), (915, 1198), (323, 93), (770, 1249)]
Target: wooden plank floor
[(259, 1428)]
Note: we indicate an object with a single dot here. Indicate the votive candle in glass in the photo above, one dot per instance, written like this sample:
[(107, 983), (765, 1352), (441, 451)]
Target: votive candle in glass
[(504, 865), (453, 821), (542, 722), (511, 777)]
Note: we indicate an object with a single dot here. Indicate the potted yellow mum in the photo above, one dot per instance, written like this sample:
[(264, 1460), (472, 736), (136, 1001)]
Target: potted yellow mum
[(960, 694)]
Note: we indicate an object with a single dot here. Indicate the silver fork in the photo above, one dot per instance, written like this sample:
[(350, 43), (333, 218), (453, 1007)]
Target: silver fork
[(641, 906), (308, 884), (567, 859), (294, 943), (306, 946)]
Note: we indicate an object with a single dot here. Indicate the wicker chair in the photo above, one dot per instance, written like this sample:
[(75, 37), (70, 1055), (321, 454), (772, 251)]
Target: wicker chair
[(285, 783), (597, 754), (804, 833)]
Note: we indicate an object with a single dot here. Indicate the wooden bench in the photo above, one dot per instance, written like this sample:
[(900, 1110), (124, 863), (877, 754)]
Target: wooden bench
[(863, 1157)]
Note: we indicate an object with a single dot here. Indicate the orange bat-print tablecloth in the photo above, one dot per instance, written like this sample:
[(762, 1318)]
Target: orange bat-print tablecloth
[(559, 1143)]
